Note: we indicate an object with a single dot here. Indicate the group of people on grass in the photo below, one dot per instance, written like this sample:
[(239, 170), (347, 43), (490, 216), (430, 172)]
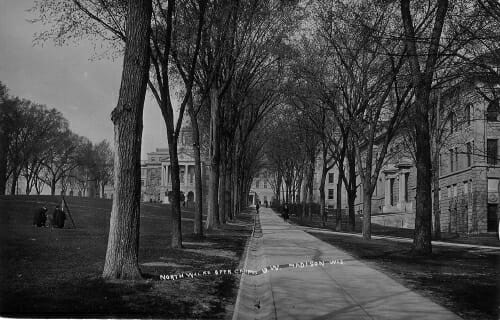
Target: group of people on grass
[(42, 219)]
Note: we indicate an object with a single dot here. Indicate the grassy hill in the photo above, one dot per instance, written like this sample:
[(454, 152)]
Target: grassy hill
[(55, 272)]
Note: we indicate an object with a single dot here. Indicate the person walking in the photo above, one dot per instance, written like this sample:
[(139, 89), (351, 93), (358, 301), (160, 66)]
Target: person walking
[(285, 212), (257, 206)]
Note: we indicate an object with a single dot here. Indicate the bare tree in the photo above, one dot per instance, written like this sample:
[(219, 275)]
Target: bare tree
[(123, 243)]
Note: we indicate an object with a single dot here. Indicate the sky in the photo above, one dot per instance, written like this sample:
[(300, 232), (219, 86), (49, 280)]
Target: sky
[(85, 90)]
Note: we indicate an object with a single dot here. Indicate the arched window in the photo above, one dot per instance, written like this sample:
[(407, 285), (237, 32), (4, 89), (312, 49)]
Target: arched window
[(492, 111)]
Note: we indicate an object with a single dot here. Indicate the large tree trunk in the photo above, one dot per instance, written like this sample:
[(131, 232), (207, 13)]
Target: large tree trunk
[(352, 189), (123, 242), (423, 214), (422, 84), (367, 213), (213, 221), (436, 205), (176, 193)]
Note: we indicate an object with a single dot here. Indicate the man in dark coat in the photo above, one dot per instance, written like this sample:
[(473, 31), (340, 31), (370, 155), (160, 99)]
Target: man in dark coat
[(58, 216), (285, 212), (40, 217)]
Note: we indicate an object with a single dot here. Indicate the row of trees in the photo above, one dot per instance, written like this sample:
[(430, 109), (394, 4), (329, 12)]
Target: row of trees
[(364, 73), (352, 70), (226, 57), (38, 146)]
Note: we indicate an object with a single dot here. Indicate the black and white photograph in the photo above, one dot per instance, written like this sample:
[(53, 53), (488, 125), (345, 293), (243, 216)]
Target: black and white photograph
[(250, 159)]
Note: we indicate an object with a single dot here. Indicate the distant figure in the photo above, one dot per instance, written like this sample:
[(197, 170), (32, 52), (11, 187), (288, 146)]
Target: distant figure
[(257, 207), (285, 212), (266, 203), (58, 217), (40, 217)]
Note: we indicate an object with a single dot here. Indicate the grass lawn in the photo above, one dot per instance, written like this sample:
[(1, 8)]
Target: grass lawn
[(466, 281), (55, 272), (490, 239)]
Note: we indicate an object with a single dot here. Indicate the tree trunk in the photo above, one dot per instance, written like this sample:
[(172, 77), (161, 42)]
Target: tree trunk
[(53, 183), (436, 204), (13, 186), (322, 199), (4, 143), (213, 221), (227, 192), (423, 213), (123, 242), (236, 190), (367, 213), (222, 188), (175, 203), (422, 84), (351, 198), (198, 214), (338, 216), (310, 190), (352, 189)]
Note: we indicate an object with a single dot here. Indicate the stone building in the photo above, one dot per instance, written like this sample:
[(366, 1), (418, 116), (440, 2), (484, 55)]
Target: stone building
[(469, 171), (261, 189), (156, 172)]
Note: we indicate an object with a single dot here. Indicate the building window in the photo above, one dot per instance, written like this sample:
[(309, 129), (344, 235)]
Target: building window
[(452, 122), (468, 109), (457, 166), (492, 111), (455, 190), (142, 183), (407, 175), (330, 194), (466, 187), (257, 184), (265, 184), (452, 158), (391, 191), (492, 151), (469, 154), (449, 191), (330, 177)]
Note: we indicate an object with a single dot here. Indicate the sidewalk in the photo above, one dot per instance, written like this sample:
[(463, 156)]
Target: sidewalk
[(351, 290), (399, 239)]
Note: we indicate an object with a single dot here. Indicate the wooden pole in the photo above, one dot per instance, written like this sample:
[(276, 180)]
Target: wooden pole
[(69, 213)]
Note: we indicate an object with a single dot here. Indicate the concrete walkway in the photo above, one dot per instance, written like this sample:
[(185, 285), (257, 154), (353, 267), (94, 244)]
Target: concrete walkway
[(351, 290), (400, 239)]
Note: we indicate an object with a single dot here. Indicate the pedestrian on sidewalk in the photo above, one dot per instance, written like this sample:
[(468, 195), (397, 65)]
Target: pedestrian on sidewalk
[(285, 212), (257, 207)]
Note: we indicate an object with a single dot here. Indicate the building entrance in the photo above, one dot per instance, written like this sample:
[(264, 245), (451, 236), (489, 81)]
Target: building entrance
[(492, 217)]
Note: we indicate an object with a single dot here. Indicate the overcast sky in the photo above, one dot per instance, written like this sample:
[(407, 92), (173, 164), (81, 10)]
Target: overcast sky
[(65, 78)]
